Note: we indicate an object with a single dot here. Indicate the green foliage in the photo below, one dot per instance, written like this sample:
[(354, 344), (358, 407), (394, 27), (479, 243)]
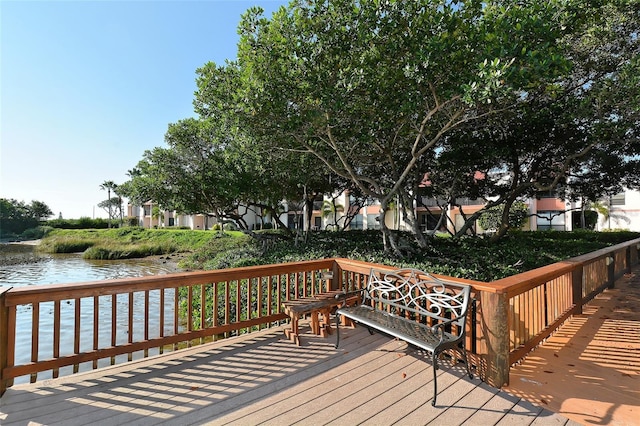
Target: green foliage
[(36, 233), (470, 257), (224, 250), (17, 216), (82, 223), (123, 243), (491, 219), (590, 219), (130, 251)]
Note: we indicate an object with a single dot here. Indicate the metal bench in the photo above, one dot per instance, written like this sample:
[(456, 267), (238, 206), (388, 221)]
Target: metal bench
[(416, 307)]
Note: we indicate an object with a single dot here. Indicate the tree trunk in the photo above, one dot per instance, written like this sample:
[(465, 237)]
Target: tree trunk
[(389, 240), (412, 219), (468, 223), (504, 225)]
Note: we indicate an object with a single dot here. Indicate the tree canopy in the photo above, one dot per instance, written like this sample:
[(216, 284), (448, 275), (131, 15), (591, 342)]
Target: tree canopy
[(530, 96), (18, 216)]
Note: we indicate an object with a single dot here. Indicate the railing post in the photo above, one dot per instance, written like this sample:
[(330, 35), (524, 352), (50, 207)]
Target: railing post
[(4, 338), (611, 270), (495, 323), (628, 259), (576, 288), (336, 280)]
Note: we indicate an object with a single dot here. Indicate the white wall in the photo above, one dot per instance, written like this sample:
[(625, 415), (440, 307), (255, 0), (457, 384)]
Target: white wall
[(625, 216)]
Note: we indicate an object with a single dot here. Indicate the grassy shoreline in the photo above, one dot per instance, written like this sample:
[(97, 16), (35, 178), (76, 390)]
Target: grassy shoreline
[(123, 243)]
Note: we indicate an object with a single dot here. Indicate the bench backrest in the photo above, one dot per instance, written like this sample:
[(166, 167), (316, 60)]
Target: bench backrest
[(417, 294)]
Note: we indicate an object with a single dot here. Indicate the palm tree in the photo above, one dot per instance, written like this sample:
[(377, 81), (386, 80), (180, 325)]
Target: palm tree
[(109, 185), (331, 208)]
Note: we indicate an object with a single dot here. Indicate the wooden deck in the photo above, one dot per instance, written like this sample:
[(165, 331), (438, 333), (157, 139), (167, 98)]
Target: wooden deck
[(589, 370), (262, 378), (586, 373)]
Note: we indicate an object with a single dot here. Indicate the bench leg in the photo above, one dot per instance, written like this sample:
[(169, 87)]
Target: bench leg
[(466, 361), (315, 323), (325, 325), (293, 333), (434, 360)]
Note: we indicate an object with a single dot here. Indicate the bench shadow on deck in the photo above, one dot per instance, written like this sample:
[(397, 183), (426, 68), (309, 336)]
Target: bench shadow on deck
[(262, 378)]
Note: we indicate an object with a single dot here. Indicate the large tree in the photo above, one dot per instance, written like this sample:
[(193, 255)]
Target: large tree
[(18, 216), (577, 136), (370, 88)]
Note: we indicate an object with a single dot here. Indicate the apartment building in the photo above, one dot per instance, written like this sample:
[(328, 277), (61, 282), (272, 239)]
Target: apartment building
[(546, 212)]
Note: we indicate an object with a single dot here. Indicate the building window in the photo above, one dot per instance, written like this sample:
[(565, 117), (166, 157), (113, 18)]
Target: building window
[(291, 221), (147, 210), (547, 220), (618, 199), (373, 221), (428, 222), (356, 223)]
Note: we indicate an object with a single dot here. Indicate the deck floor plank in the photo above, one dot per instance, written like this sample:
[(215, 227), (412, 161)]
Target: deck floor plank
[(260, 378)]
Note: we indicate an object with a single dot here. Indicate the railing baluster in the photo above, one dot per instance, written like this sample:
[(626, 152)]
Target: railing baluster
[(56, 335), (203, 309), (227, 304), (96, 322), (259, 307), (238, 301), (146, 321), (270, 296), (76, 331), (114, 323), (249, 299), (189, 311), (35, 335), (10, 346), (130, 325), (161, 318), (214, 308), (176, 310)]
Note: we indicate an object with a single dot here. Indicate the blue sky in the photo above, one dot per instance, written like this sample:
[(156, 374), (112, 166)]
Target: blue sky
[(87, 86)]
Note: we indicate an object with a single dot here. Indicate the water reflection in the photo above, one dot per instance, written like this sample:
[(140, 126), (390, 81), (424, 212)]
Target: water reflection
[(70, 268)]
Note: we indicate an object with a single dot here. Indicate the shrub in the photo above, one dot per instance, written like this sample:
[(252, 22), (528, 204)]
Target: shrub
[(132, 221), (492, 218), (82, 223), (230, 226), (36, 233)]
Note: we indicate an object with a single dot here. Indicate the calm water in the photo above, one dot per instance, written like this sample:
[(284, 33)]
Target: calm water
[(20, 266), (67, 268)]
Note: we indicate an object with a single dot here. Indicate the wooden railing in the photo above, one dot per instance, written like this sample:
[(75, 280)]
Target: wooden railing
[(71, 327), (519, 312)]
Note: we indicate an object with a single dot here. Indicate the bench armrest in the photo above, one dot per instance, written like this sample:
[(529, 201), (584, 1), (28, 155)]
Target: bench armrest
[(438, 329)]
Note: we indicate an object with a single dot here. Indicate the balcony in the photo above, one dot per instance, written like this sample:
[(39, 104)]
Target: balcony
[(236, 366)]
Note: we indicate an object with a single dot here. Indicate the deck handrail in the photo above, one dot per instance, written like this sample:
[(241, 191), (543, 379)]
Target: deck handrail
[(510, 318)]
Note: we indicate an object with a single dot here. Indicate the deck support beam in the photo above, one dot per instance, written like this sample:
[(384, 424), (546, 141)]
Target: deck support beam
[(4, 338), (495, 323)]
